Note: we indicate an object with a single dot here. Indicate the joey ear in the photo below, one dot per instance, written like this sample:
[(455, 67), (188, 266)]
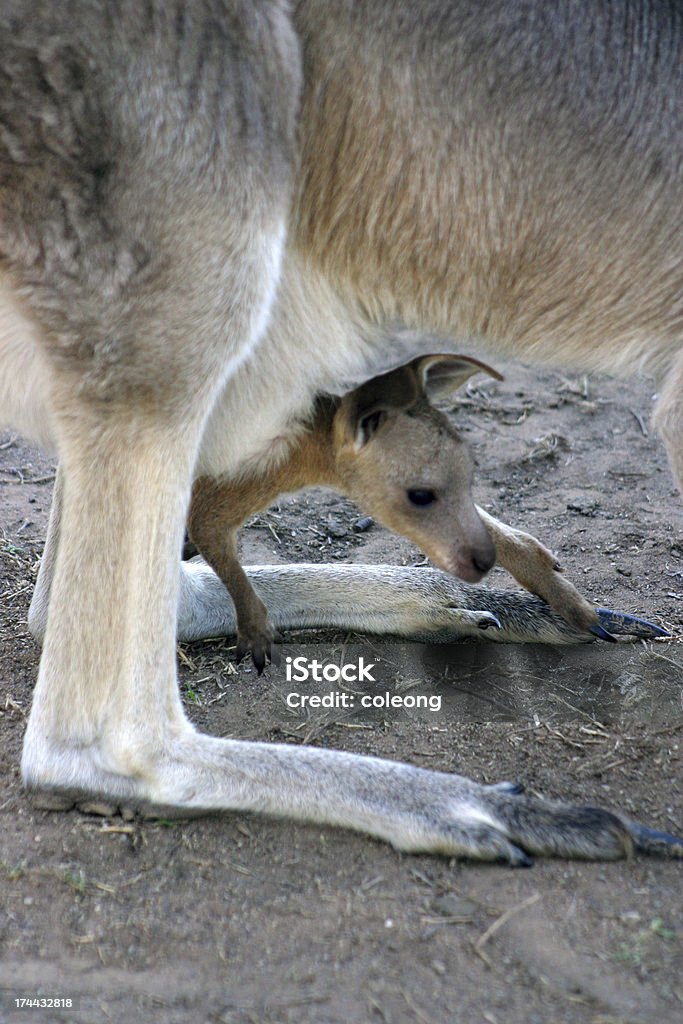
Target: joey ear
[(357, 423), (441, 375), (363, 411), (367, 425)]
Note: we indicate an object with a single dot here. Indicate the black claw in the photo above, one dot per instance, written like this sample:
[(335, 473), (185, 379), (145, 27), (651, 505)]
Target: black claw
[(622, 622), (520, 859), (513, 788), (602, 634), (260, 655), (488, 624)]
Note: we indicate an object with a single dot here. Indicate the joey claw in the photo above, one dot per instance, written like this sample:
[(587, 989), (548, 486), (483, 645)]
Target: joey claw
[(257, 642), (258, 655), (631, 625)]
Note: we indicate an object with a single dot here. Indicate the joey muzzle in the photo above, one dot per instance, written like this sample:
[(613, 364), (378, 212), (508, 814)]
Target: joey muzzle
[(474, 554), (471, 564)]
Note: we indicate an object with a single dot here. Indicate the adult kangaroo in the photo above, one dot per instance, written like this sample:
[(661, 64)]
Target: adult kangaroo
[(210, 212)]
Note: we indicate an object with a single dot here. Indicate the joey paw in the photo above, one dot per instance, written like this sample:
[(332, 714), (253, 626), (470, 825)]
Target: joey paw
[(258, 642)]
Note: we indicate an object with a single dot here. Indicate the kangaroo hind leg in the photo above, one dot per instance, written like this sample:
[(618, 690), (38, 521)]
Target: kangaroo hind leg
[(143, 237), (668, 419)]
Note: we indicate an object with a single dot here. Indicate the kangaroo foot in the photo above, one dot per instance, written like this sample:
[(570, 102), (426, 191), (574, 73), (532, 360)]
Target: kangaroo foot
[(413, 809), (533, 825)]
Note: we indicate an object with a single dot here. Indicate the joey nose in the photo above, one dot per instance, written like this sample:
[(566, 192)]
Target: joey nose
[(474, 562), (484, 558)]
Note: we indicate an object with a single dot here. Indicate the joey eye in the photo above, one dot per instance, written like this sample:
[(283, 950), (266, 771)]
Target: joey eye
[(421, 497)]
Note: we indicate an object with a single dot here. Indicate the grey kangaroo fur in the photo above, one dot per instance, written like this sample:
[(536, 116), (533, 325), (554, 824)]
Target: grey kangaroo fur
[(387, 447), (210, 212)]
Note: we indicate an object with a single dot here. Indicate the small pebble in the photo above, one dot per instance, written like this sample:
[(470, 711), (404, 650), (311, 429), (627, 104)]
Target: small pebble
[(363, 524)]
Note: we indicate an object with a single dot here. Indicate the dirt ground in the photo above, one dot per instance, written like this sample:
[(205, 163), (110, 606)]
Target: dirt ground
[(240, 920)]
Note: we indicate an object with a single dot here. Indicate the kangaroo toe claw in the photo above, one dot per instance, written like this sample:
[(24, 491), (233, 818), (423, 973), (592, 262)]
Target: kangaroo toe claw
[(602, 634), (514, 788), (488, 621), (631, 625), (520, 859)]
